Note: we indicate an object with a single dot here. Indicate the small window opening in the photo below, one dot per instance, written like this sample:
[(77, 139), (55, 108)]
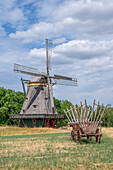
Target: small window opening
[(34, 106), (34, 121)]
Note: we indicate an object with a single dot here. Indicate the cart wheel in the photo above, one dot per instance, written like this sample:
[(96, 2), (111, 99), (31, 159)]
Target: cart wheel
[(73, 135), (99, 139), (79, 137), (96, 139)]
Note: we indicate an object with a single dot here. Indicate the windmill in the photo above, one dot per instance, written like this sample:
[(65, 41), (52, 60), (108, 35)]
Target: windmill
[(39, 103)]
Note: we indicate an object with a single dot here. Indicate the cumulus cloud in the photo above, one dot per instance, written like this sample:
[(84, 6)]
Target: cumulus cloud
[(11, 14), (89, 19), (2, 32)]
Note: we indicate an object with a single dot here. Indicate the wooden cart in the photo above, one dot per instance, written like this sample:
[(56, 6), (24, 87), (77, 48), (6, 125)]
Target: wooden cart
[(85, 121)]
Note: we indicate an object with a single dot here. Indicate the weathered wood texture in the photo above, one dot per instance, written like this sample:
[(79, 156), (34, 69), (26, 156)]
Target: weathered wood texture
[(37, 100), (36, 116), (85, 121)]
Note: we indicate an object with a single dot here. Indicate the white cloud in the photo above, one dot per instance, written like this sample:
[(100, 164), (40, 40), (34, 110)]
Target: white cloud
[(59, 40), (72, 19), (85, 49), (39, 53), (2, 32), (11, 14)]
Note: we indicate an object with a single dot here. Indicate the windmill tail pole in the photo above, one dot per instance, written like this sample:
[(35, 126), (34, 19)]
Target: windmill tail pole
[(23, 86)]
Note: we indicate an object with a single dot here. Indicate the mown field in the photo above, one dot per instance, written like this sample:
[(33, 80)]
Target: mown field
[(53, 150)]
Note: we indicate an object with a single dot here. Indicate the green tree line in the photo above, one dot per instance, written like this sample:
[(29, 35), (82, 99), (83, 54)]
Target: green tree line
[(11, 103)]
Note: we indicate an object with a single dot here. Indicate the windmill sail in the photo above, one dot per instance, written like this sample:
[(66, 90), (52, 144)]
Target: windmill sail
[(63, 77), (66, 82), (49, 54), (26, 70)]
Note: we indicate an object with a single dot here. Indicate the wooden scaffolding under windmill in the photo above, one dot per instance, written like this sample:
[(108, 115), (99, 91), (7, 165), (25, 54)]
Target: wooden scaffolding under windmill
[(38, 108)]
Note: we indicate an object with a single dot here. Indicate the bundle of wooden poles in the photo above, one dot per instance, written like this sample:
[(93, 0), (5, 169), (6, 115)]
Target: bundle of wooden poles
[(88, 118)]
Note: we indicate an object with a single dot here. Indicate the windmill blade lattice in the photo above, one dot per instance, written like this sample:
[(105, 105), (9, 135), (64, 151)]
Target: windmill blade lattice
[(66, 82), (26, 70)]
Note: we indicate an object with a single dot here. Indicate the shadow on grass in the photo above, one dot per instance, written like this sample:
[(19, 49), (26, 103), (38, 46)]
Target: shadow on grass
[(92, 141)]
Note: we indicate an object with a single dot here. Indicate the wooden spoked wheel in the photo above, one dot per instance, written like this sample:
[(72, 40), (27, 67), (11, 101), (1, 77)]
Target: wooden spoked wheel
[(73, 135)]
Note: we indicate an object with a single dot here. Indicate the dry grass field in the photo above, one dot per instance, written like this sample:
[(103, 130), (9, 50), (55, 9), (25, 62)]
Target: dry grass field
[(14, 130), (25, 148), (108, 131)]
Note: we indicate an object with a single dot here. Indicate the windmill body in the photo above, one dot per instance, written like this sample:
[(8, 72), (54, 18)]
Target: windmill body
[(37, 100)]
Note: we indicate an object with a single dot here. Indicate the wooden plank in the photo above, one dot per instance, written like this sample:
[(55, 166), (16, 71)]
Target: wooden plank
[(86, 111), (70, 115), (89, 114), (92, 113), (81, 122), (83, 117), (74, 109), (100, 118), (96, 114), (73, 114), (99, 113), (67, 116)]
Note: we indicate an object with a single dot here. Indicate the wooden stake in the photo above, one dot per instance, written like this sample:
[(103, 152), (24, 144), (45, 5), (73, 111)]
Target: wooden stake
[(81, 122), (73, 114), (92, 112), (67, 116), (74, 109), (70, 114), (96, 113), (83, 118), (86, 112), (100, 118)]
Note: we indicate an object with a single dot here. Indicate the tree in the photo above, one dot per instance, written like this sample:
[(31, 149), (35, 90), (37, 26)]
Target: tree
[(60, 107), (10, 103), (108, 117)]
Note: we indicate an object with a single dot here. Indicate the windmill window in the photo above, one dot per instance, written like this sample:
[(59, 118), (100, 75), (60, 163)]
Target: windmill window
[(34, 106), (34, 121)]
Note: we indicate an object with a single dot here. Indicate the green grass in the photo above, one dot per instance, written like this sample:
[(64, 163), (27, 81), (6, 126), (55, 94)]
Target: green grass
[(54, 151)]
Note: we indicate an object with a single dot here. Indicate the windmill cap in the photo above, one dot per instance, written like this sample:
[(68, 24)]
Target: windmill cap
[(43, 73)]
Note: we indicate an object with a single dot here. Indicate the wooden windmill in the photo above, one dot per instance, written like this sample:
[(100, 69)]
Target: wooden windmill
[(39, 103)]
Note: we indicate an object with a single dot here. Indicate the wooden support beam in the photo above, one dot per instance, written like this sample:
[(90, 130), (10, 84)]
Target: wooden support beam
[(92, 113), (96, 113), (70, 115), (73, 114)]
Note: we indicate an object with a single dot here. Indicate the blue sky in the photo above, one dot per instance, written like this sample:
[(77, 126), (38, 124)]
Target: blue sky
[(82, 34)]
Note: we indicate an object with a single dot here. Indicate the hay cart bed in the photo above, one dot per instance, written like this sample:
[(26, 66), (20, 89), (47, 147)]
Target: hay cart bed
[(85, 121)]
